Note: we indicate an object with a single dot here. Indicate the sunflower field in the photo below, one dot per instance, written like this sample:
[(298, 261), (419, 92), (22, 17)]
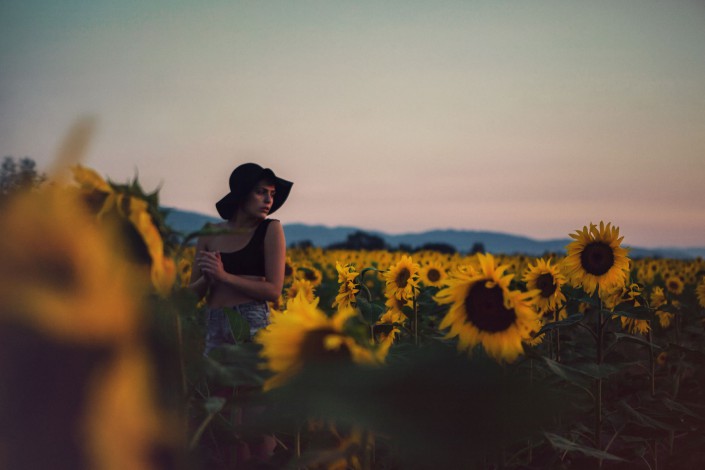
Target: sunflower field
[(373, 359)]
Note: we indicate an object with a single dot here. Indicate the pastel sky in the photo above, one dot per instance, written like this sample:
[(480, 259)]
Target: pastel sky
[(526, 117)]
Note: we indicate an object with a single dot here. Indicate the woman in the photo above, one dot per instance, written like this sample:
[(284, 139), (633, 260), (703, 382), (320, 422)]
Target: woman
[(243, 268)]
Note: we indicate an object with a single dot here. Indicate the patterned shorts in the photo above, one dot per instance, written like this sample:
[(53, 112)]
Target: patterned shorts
[(218, 331)]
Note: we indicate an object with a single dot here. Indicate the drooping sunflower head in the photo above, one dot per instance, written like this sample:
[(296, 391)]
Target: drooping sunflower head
[(133, 213), (635, 325), (596, 259), (700, 291), (664, 318), (348, 288), (657, 298), (548, 280), (346, 273), (485, 311), (628, 295)]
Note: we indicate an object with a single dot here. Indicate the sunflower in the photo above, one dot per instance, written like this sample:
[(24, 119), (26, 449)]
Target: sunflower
[(548, 280), (402, 278), (700, 291), (596, 260), (72, 297), (631, 296), (662, 358), (335, 447), (433, 274), (163, 268), (395, 310), (664, 318), (135, 210), (634, 325), (657, 297), (556, 315), (289, 269), (485, 311), (674, 284), (310, 274), (59, 268), (303, 334), (185, 264), (348, 288), (301, 287)]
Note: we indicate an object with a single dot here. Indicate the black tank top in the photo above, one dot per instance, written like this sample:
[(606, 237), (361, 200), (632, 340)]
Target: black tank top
[(250, 259)]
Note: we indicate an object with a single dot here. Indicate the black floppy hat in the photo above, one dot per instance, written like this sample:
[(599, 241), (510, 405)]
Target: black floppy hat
[(243, 179)]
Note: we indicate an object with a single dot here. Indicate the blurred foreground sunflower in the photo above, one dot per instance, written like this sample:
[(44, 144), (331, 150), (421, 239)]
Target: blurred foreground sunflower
[(304, 334), (596, 259), (485, 311), (60, 272), (77, 376), (107, 201)]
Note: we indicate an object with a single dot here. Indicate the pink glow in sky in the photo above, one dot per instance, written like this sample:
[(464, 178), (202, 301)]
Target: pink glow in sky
[(532, 118)]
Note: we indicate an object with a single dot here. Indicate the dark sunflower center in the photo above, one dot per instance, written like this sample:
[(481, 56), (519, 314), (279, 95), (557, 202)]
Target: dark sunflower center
[(433, 275), (545, 283), (597, 258), (287, 269), (313, 348), (673, 285), (484, 308), (309, 275), (402, 278)]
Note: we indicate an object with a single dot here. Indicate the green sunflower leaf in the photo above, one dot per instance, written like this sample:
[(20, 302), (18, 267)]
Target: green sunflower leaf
[(563, 444), (571, 320), (370, 311), (213, 405), (692, 354), (638, 313), (635, 339), (679, 407), (644, 420), (238, 325), (577, 372)]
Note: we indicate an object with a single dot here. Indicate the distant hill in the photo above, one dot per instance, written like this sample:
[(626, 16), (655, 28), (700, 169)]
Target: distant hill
[(462, 240)]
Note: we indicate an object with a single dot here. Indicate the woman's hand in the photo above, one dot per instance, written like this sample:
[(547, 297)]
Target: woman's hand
[(211, 266)]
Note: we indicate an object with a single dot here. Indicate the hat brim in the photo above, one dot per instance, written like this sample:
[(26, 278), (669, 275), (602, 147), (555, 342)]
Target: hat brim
[(227, 205)]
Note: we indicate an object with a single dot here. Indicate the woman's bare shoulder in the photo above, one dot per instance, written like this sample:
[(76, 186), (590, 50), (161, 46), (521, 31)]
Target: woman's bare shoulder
[(205, 239)]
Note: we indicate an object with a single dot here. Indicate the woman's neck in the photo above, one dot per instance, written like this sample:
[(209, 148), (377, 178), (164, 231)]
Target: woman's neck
[(242, 223)]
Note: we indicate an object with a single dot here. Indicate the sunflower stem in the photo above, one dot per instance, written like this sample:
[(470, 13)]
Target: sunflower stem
[(180, 344), (297, 442), (652, 364), (599, 329), (361, 282), (416, 316), (589, 330)]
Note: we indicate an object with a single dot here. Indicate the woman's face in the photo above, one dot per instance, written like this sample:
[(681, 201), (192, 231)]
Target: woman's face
[(259, 202)]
